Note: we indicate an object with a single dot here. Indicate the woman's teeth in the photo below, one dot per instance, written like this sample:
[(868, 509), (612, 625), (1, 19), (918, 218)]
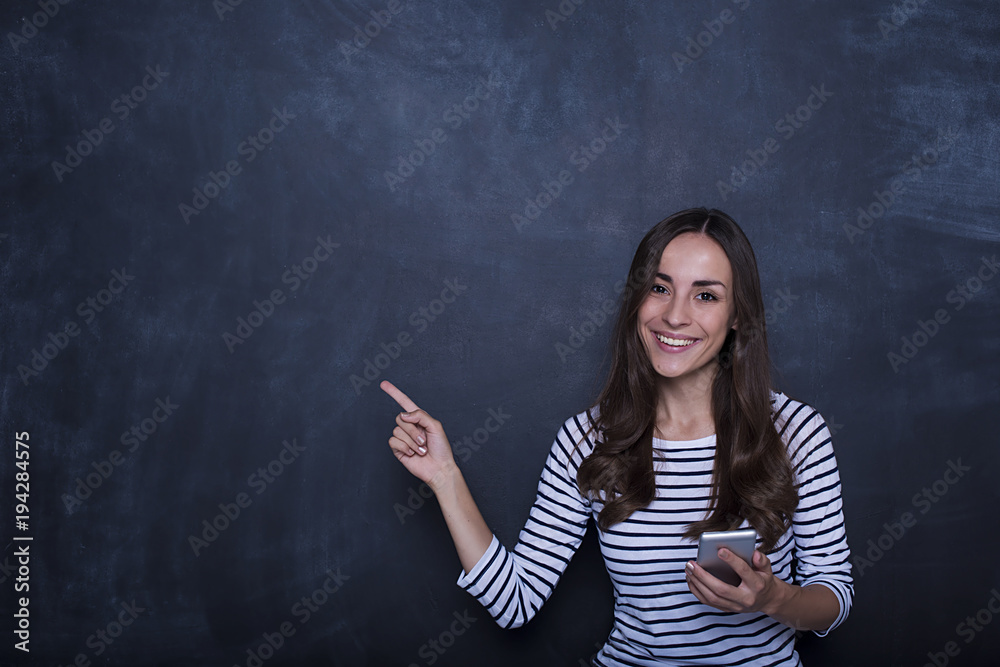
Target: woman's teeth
[(676, 342)]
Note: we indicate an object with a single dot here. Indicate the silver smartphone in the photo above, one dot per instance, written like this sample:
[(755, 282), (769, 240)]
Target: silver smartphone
[(740, 542)]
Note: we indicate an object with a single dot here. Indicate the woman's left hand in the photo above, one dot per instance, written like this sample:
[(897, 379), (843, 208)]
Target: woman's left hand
[(759, 589)]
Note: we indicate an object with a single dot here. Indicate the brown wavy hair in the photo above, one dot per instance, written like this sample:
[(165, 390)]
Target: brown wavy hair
[(752, 477)]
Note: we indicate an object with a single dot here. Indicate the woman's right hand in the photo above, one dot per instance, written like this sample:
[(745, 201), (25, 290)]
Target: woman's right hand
[(418, 440)]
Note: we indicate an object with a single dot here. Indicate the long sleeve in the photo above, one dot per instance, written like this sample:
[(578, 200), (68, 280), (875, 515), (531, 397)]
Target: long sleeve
[(512, 586), (821, 551)]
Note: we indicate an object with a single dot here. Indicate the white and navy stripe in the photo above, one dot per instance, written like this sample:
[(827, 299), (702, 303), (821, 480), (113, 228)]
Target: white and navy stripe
[(658, 621)]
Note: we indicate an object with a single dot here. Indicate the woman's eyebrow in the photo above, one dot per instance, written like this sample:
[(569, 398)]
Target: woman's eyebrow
[(696, 283)]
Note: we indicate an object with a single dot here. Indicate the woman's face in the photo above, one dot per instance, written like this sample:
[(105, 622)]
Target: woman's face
[(684, 319)]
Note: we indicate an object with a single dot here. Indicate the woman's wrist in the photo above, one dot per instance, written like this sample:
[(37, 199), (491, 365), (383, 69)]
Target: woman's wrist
[(812, 607), (783, 598), (445, 478)]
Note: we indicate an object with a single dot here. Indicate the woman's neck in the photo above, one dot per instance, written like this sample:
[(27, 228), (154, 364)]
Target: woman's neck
[(684, 409)]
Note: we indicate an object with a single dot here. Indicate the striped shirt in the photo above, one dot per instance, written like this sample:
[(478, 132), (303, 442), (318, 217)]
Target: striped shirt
[(657, 620)]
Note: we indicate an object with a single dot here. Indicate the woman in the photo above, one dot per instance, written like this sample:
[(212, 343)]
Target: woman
[(687, 436)]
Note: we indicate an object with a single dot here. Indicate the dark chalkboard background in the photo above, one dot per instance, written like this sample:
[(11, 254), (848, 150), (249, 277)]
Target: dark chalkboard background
[(903, 124)]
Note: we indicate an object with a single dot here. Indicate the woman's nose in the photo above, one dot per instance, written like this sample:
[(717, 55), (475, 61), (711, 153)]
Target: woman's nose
[(675, 312)]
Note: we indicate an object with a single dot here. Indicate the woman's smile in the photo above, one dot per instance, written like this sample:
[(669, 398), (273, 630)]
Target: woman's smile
[(674, 343)]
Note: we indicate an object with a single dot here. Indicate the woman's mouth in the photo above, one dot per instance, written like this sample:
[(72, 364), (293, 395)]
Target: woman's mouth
[(675, 344)]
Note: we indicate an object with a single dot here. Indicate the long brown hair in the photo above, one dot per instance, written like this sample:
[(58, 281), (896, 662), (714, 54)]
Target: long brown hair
[(752, 477)]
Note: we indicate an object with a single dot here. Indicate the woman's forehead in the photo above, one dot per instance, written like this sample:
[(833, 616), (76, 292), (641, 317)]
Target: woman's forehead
[(695, 257)]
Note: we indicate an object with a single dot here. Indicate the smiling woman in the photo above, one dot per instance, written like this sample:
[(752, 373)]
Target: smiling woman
[(697, 302), (676, 444), (700, 300)]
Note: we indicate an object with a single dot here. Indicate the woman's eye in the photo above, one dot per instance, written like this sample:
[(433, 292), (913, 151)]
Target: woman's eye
[(660, 289), (711, 297)]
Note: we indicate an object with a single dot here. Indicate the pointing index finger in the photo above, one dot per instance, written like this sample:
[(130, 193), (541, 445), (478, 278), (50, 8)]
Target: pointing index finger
[(398, 396)]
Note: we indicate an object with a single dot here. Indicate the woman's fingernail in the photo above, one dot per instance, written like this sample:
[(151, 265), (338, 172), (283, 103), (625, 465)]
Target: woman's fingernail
[(690, 566), (421, 440), (423, 450)]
